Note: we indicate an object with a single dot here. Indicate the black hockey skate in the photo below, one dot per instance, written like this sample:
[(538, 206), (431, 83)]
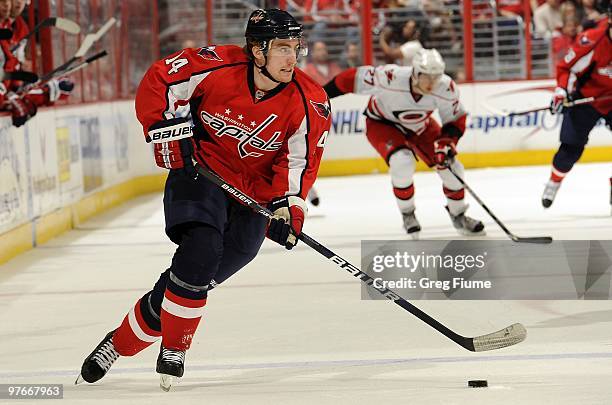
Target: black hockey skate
[(550, 191), (465, 225), (97, 364), (411, 224), (170, 365)]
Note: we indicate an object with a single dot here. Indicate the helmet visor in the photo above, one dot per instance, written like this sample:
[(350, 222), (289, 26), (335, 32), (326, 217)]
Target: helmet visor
[(287, 47)]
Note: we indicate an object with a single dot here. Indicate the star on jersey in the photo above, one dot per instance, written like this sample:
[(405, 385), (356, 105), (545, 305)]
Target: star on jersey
[(253, 123), (228, 111), (240, 117)]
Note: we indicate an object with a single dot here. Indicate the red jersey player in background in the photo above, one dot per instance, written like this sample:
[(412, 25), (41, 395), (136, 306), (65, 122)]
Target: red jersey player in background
[(399, 125), (256, 120), (585, 71)]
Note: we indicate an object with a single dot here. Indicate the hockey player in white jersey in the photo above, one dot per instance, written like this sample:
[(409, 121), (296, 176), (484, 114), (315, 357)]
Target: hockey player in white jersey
[(400, 126)]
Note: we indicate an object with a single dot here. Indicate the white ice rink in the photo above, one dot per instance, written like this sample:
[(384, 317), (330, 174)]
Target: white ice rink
[(291, 328)]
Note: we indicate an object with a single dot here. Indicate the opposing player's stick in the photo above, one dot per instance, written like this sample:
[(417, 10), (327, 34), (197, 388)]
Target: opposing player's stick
[(63, 24), (567, 104), (508, 336), (533, 239)]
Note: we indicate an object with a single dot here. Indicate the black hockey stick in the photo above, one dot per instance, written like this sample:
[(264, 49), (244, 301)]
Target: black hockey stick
[(508, 336), (533, 239), (63, 24), (6, 33), (567, 104), (21, 75)]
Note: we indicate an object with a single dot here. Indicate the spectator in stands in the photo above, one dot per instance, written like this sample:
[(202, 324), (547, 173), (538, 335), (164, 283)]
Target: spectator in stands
[(188, 43), (547, 17), (351, 57), (440, 26), (409, 44), (564, 38), (321, 69), (332, 17), (510, 8), (589, 15)]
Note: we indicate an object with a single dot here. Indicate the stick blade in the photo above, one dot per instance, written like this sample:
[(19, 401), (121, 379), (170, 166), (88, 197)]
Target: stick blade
[(534, 239), (509, 336), (67, 25)]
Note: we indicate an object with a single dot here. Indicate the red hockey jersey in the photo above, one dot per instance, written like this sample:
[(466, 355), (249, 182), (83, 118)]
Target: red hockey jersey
[(587, 67), (267, 145)]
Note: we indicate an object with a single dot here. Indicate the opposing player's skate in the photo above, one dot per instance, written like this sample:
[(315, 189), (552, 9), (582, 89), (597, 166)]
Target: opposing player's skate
[(465, 225), (170, 365), (97, 364), (411, 225), (550, 191)]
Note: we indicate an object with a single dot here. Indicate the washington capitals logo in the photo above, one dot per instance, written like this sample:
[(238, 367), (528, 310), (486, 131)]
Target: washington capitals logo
[(208, 53), (257, 17), (323, 109), (390, 75)]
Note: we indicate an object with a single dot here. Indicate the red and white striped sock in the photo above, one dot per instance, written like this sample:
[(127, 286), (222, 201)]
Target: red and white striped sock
[(179, 320), (557, 175), (134, 335)]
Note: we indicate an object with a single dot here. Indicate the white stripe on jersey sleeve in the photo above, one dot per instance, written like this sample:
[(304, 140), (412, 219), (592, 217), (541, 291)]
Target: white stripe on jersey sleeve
[(182, 91), (297, 159), (579, 66)]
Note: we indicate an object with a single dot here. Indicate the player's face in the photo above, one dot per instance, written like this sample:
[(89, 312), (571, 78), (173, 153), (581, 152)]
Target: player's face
[(282, 58), (426, 83)]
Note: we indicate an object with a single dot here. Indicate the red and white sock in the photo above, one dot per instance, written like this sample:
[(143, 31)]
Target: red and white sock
[(179, 320), (134, 335), (557, 175)]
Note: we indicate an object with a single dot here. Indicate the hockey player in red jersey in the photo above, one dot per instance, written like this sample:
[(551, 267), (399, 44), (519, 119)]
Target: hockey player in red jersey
[(400, 127), (256, 120), (586, 71)]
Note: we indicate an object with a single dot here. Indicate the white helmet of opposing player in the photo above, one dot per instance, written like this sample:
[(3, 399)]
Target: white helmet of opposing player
[(428, 61)]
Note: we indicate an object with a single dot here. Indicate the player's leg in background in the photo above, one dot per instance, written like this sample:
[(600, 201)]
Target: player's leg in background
[(390, 143), (243, 238), (577, 124), (453, 189)]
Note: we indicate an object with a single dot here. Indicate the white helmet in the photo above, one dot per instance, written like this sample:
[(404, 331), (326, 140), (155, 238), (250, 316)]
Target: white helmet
[(428, 61)]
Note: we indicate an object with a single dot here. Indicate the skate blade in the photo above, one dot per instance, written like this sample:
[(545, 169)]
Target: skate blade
[(463, 232), (166, 381), (79, 380), (415, 235)]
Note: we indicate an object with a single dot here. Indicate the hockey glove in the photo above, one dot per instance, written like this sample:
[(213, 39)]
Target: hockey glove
[(172, 144), (58, 89), (22, 109), (558, 99), (444, 151), (286, 225)]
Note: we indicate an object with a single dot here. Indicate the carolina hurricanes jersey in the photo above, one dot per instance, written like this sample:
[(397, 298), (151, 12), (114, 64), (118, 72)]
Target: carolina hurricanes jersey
[(266, 144), (393, 99), (587, 67)]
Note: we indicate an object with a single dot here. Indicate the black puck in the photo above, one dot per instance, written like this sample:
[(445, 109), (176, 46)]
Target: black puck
[(478, 383)]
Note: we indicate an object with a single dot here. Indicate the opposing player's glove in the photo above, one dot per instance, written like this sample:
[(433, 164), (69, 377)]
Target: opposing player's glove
[(22, 108), (286, 225), (58, 89), (172, 143), (558, 99), (445, 149)]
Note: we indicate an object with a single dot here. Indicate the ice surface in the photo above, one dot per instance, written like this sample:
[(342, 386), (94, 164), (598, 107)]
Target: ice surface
[(291, 328)]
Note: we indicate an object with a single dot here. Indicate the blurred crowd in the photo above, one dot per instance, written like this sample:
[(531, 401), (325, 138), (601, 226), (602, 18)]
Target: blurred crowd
[(402, 27)]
